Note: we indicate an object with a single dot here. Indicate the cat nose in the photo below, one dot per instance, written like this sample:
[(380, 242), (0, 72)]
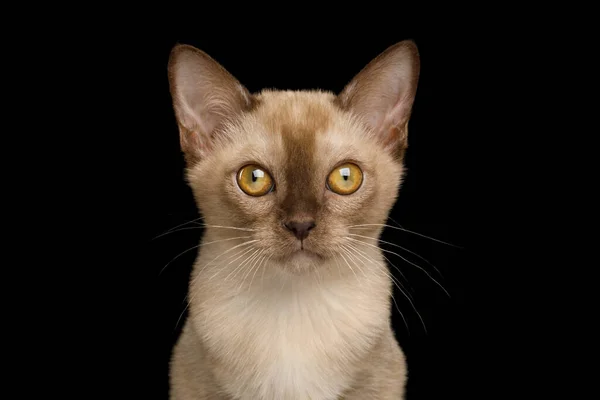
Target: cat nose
[(300, 228)]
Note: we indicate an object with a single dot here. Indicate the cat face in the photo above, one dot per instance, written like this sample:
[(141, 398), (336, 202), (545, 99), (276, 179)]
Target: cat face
[(295, 170)]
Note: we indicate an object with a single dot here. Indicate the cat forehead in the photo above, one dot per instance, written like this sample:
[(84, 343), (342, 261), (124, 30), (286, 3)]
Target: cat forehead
[(296, 113), (302, 121), (302, 130)]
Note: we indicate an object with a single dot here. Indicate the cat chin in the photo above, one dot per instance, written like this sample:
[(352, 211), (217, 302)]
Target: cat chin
[(302, 261)]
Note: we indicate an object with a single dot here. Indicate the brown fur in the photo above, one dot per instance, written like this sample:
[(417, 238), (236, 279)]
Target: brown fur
[(285, 321)]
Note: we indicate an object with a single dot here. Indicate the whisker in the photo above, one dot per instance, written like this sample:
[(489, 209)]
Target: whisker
[(197, 246), (358, 251), (243, 251), (402, 315), (209, 263), (377, 263), (181, 315), (260, 262), (404, 230), (349, 254), (240, 267), (169, 230), (225, 252), (396, 283), (264, 263), (262, 277), (177, 230), (394, 221), (318, 278), (398, 269), (254, 263), (410, 262), (336, 262), (227, 227), (344, 258), (223, 267), (202, 226), (404, 292), (403, 248), (409, 298)]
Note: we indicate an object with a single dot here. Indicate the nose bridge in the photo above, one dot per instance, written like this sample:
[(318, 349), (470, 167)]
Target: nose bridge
[(300, 203)]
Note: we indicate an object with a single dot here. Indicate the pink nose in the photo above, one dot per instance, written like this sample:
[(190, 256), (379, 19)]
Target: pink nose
[(300, 229)]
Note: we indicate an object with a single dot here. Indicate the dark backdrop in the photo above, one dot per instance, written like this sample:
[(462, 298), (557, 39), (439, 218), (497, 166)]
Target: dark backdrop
[(436, 200)]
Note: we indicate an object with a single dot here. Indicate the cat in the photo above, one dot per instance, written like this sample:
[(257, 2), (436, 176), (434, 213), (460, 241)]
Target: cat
[(289, 298)]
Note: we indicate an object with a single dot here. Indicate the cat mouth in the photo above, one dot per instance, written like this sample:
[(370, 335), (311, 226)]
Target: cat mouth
[(303, 252)]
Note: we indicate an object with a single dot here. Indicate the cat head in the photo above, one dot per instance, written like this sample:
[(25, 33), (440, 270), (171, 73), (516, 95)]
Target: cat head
[(294, 169)]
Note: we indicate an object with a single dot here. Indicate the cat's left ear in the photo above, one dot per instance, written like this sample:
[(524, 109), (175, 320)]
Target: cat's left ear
[(382, 94), (204, 96)]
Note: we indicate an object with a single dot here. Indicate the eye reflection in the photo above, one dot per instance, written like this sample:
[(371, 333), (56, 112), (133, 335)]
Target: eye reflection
[(345, 172), (257, 174)]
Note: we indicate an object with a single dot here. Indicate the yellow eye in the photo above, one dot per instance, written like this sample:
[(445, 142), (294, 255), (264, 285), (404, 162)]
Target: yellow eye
[(345, 179), (254, 180)]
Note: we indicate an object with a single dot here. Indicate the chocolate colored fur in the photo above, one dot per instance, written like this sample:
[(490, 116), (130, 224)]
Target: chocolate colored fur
[(291, 323)]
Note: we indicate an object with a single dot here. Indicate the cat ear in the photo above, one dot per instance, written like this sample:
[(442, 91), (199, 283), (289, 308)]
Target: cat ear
[(382, 94), (204, 96)]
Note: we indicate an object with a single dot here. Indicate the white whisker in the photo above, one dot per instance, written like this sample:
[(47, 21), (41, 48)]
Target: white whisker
[(398, 269), (402, 315), (382, 268), (410, 262), (197, 246), (181, 315), (376, 263), (179, 230), (351, 256), (225, 252), (228, 227), (262, 277), (204, 266), (241, 266), (203, 226), (170, 230), (251, 249), (400, 247), (251, 268), (404, 230), (263, 263), (368, 258), (394, 221), (344, 258), (336, 262), (398, 284)]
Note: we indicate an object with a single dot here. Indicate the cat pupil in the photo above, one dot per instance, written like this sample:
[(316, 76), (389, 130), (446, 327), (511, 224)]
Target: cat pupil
[(345, 173), (256, 174)]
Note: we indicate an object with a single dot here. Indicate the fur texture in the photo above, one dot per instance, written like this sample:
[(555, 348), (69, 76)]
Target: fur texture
[(270, 316)]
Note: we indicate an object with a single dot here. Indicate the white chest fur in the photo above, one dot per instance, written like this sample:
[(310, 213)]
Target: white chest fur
[(296, 341)]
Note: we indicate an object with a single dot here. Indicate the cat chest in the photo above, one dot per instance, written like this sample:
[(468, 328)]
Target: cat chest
[(292, 348)]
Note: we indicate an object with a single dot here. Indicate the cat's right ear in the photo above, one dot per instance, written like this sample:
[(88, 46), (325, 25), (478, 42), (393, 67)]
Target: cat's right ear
[(382, 94), (204, 96)]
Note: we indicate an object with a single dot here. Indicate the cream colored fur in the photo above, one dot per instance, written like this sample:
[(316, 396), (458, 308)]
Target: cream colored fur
[(267, 321)]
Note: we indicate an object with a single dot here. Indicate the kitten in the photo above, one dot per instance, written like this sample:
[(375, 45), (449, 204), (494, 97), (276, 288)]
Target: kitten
[(286, 303)]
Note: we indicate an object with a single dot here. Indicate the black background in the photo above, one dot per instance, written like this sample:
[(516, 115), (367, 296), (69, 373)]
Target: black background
[(145, 195)]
